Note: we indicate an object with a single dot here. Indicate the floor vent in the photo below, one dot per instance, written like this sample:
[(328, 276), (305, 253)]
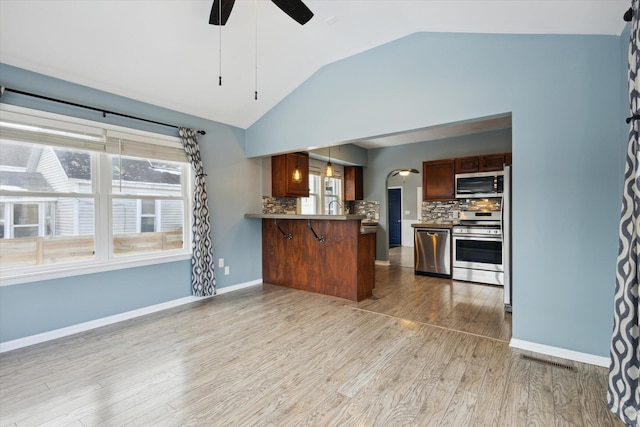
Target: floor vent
[(548, 362), (373, 297)]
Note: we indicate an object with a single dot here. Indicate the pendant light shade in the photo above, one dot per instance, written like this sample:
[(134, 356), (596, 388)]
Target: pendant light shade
[(297, 173), (328, 171)]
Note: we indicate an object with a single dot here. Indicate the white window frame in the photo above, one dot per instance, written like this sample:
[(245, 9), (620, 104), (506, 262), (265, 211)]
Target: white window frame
[(103, 194), (317, 168), (313, 174), (140, 215)]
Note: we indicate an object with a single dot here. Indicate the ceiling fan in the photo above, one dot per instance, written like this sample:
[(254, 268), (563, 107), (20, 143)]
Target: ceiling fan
[(294, 8), (403, 172)]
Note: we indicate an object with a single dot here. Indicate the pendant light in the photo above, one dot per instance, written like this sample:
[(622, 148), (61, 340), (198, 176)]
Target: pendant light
[(328, 171), (297, 173)]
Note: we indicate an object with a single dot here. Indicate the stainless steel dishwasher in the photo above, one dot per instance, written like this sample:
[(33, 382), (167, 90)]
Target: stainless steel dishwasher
[(433, 251)]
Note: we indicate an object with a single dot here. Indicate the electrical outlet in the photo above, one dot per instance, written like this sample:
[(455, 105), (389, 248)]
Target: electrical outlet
[(226, 270), (221, 262)]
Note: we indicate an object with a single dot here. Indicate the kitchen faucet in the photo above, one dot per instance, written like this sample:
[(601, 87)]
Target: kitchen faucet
[(334, 201)]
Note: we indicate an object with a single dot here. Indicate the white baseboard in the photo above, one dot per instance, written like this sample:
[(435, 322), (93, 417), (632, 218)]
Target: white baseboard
[(93, 324), (380, 262), (560, 352)]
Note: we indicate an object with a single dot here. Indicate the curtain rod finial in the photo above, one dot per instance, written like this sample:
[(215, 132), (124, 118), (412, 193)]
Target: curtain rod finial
[(628, 15), (201, 132)]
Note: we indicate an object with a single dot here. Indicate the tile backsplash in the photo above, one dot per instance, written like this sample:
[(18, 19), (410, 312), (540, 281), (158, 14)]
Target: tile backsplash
[(449, 211), (288, 205), (279, 205), (367, 207)]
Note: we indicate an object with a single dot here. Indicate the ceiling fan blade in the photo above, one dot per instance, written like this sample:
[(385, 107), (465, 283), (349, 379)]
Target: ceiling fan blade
[(214, 17), (295, 9)]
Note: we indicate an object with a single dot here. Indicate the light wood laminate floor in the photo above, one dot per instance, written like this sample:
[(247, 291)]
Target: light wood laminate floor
[(271, 356)]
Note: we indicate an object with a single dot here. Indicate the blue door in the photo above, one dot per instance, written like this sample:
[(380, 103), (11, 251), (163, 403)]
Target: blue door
[(394, 197)]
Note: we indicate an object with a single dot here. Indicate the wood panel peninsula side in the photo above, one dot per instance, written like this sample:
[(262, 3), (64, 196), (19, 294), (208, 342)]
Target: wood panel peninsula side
[(338, 260)]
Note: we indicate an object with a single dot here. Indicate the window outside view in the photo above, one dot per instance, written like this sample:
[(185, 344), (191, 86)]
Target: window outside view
[(332, 196), (322, 200), (48, 198), (311, 205)]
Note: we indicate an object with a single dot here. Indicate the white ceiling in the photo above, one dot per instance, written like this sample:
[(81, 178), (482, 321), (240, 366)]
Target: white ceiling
[(165, 52)]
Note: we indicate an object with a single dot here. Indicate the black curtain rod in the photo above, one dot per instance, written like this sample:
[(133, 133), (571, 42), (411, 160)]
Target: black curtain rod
[(103, 111), (628, 15)]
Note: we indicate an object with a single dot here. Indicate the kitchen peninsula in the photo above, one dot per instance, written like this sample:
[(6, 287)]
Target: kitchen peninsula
[(327, 254)]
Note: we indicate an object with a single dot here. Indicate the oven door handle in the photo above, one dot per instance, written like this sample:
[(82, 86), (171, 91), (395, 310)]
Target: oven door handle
[(483, 238)]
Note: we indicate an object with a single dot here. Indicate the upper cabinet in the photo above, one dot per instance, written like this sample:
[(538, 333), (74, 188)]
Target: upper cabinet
[(485, 163), (438, 177), (467, 164), (353, 187), (282, 167), (492, 162), (438, 180)]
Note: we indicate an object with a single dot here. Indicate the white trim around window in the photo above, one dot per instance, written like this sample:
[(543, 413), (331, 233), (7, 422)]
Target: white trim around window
[(100, 141)]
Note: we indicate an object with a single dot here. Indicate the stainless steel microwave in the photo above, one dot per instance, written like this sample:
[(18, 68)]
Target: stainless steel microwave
[(479, 185)]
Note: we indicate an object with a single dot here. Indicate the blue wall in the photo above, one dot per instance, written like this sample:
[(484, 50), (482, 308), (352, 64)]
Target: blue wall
[(564, 95), (233, 188), (384, 160)]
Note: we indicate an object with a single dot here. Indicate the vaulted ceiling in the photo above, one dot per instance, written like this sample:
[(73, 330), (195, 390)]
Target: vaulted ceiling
[(166, 53)]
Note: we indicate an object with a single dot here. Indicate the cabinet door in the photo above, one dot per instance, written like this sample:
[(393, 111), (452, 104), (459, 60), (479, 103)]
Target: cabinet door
[(467, 164), (282, 167), (298, 189), (438, 180), (507, 158), (353, 186), (492, 162)]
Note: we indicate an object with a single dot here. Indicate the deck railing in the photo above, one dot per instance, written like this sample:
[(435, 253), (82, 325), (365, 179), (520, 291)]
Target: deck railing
[(31, 251)]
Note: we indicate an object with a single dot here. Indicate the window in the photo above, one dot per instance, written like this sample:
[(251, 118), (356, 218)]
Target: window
[(311, 205), (325, 194), (332, 195), (71, 192), (147, 215)]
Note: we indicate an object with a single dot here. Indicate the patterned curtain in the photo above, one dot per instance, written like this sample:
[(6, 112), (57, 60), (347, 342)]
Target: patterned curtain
[(624, 387), (203, 277)]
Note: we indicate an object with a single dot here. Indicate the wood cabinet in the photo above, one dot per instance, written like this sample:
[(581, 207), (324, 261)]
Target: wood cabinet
[(485, 163), (438, 180), (467, 164), (282, 167), (353, 187), (491, 162), (342, 265)]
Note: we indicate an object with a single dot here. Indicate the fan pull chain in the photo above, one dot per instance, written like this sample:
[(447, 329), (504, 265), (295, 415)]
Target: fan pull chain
[(220, 42), (256, 13)]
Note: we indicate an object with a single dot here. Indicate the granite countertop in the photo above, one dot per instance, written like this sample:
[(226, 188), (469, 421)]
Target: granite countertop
[(295, 216), (434, 224)]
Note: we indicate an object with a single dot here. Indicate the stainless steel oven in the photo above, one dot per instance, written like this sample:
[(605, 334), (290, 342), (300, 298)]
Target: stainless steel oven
[(478, 248)]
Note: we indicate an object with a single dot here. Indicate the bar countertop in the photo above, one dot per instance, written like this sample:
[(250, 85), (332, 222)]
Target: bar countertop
[(295, 216)]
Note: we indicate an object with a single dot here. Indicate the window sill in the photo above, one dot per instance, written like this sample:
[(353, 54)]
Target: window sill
[(8, 278)]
